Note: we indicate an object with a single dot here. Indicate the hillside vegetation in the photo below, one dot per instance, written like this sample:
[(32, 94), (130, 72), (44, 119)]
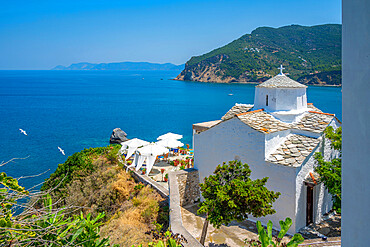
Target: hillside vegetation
[(92, 181), (311, 55)]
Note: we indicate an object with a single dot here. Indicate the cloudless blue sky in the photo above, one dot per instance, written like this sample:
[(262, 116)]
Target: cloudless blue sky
[(40, 34)]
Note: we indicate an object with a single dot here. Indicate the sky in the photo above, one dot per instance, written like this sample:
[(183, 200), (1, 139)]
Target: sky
[(41, 34)]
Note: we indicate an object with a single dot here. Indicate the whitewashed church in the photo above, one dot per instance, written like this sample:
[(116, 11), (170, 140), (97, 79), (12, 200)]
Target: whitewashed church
[(277, 137)]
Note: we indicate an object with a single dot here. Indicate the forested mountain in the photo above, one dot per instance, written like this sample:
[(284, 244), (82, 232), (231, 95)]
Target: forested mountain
[(311, 55)]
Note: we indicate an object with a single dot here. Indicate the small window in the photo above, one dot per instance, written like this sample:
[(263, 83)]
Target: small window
[(267, 100)]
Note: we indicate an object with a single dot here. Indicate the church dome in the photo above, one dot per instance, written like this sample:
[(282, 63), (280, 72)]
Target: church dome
[(281, 81), (281, 93)]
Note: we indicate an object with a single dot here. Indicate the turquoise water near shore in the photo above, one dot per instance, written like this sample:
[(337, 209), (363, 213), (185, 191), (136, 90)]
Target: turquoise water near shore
[(79, 109)]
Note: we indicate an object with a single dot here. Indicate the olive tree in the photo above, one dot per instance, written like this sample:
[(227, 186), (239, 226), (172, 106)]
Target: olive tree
[(230, 194)]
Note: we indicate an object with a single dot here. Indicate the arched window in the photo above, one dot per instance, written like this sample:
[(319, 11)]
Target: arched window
[(267, 100)]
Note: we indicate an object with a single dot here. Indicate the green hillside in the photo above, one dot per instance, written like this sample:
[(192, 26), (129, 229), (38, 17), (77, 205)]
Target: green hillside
[(311, 55)]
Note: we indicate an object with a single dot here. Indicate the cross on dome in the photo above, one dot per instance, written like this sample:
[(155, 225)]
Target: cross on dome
[(281, 69)]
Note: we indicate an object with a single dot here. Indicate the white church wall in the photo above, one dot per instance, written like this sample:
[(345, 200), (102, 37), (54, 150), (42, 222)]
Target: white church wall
[(280, 99), (260, 98), (322, 202), (225, 142), (305, 133), (234, 139), (274, 140), (291, 99), (322, 199), (281, 179)]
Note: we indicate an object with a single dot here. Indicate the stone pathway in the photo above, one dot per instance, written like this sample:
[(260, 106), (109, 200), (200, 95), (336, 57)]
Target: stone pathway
[(156, 174), (235, 233), (329, 227), (232, 235)]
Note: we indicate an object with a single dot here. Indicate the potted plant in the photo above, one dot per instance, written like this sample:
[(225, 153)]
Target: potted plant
[(162, 171), (176, 163), (166, 177)]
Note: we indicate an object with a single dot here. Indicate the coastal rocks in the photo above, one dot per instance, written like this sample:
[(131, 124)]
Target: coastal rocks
[(117, 136)]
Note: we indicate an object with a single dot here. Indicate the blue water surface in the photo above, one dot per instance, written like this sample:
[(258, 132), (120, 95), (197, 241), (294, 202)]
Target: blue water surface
[(79, 109)]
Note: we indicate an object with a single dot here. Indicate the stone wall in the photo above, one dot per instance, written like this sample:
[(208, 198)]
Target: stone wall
[(188, 182)]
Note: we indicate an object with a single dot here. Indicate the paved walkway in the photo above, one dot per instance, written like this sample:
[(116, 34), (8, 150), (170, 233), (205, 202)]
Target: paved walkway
[(235, 233), (156, 174), (231, 235)]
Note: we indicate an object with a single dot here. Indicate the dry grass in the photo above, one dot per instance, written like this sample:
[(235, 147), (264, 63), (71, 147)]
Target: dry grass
[(123, 185), (128, 227), (129, 212)]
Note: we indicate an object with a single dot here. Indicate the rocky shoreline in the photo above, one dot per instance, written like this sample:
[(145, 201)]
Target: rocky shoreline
[(251, 83), (214, 74)]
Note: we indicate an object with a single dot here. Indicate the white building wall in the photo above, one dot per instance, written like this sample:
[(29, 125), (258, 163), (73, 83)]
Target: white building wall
[(274, 140), (260, 98), (281, 179), (224, 142), (322, 199), (280, 99), (356, 118), (234, 139)]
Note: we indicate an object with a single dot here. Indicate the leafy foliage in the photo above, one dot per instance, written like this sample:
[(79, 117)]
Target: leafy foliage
[(77, 165), (230, 195), (91, 192), (266, 239), (311, 55), (331, 171), (9, 191), (43, 226), (335, 137), (164, 238)]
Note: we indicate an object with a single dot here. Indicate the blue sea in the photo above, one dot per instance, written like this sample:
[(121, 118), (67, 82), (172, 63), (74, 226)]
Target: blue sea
[(79, 109)]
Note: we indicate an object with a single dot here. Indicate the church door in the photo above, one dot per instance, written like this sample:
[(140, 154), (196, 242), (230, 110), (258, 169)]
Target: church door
[(309, 207)]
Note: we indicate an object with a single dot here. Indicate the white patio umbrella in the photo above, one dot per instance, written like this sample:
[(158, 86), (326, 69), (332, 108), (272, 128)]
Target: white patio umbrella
[(150, 152), (169, 135), (170, 143), (134, 163), (152, 149), (139, 160), (132, 145)]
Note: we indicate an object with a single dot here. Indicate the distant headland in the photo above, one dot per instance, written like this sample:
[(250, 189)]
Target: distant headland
[(311, 56), (122, 66)]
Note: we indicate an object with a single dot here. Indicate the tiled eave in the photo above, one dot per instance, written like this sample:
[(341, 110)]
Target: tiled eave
[(294, 150), (200, 127)]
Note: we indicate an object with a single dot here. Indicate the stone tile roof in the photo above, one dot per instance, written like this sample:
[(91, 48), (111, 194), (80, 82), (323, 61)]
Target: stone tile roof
[(312, 107), (281, 81), (294, 150), (262, 121), (236, 109), (199, 127), (314, 121)]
